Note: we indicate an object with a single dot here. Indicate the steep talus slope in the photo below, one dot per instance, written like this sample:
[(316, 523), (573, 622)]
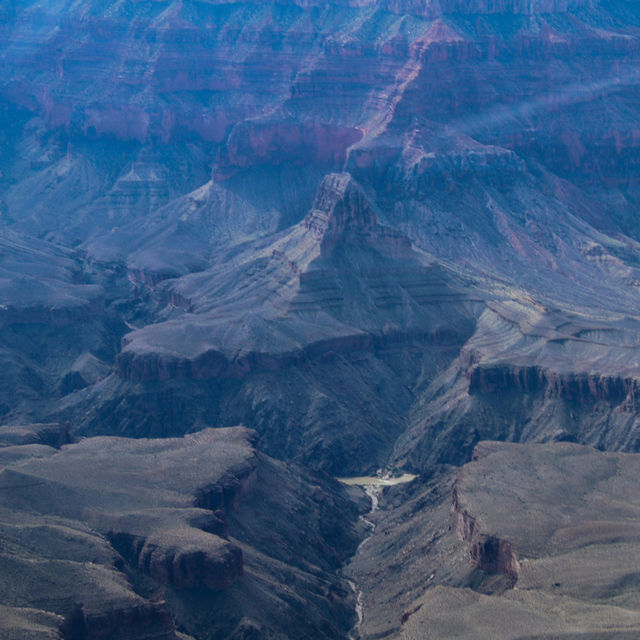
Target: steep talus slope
[(122, 538)]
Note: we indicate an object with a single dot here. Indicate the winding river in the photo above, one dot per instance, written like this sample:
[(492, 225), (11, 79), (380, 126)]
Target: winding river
[(372, 485)]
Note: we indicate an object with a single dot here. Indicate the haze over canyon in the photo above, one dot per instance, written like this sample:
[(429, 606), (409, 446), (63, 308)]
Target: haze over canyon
[(250, 247)]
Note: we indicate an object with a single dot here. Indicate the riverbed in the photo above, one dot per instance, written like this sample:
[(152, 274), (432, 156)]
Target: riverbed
[(377, 481)]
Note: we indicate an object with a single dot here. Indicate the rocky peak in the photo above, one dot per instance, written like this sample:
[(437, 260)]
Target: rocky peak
[(340, 206)]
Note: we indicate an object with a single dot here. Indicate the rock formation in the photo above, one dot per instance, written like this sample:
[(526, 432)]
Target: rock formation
[(376, 232), (294, 155), (527, 540), (337, 292), (112, 537)]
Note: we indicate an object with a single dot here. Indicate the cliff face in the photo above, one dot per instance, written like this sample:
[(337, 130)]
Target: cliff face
[(132, 623), (571, 387), (488, 552)]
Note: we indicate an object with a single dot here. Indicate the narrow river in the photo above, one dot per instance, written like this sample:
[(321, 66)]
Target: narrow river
[(373, 486)]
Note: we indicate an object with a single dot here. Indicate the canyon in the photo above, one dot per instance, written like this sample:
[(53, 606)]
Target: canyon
[(246, 246)]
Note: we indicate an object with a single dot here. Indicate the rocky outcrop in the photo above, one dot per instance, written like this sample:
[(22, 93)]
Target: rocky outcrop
[(52, 435), (569, 386), (190, 561), (176, 545), (145, 367), (226, 495), (140, 622), (62, 578), (341, 211), (188, 557), (487, 552), (340, 205), (131, 538), (538, 543), (213, 364)]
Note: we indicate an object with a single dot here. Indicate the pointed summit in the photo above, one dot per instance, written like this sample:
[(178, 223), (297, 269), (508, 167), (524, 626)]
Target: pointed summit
[(340, 206)]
